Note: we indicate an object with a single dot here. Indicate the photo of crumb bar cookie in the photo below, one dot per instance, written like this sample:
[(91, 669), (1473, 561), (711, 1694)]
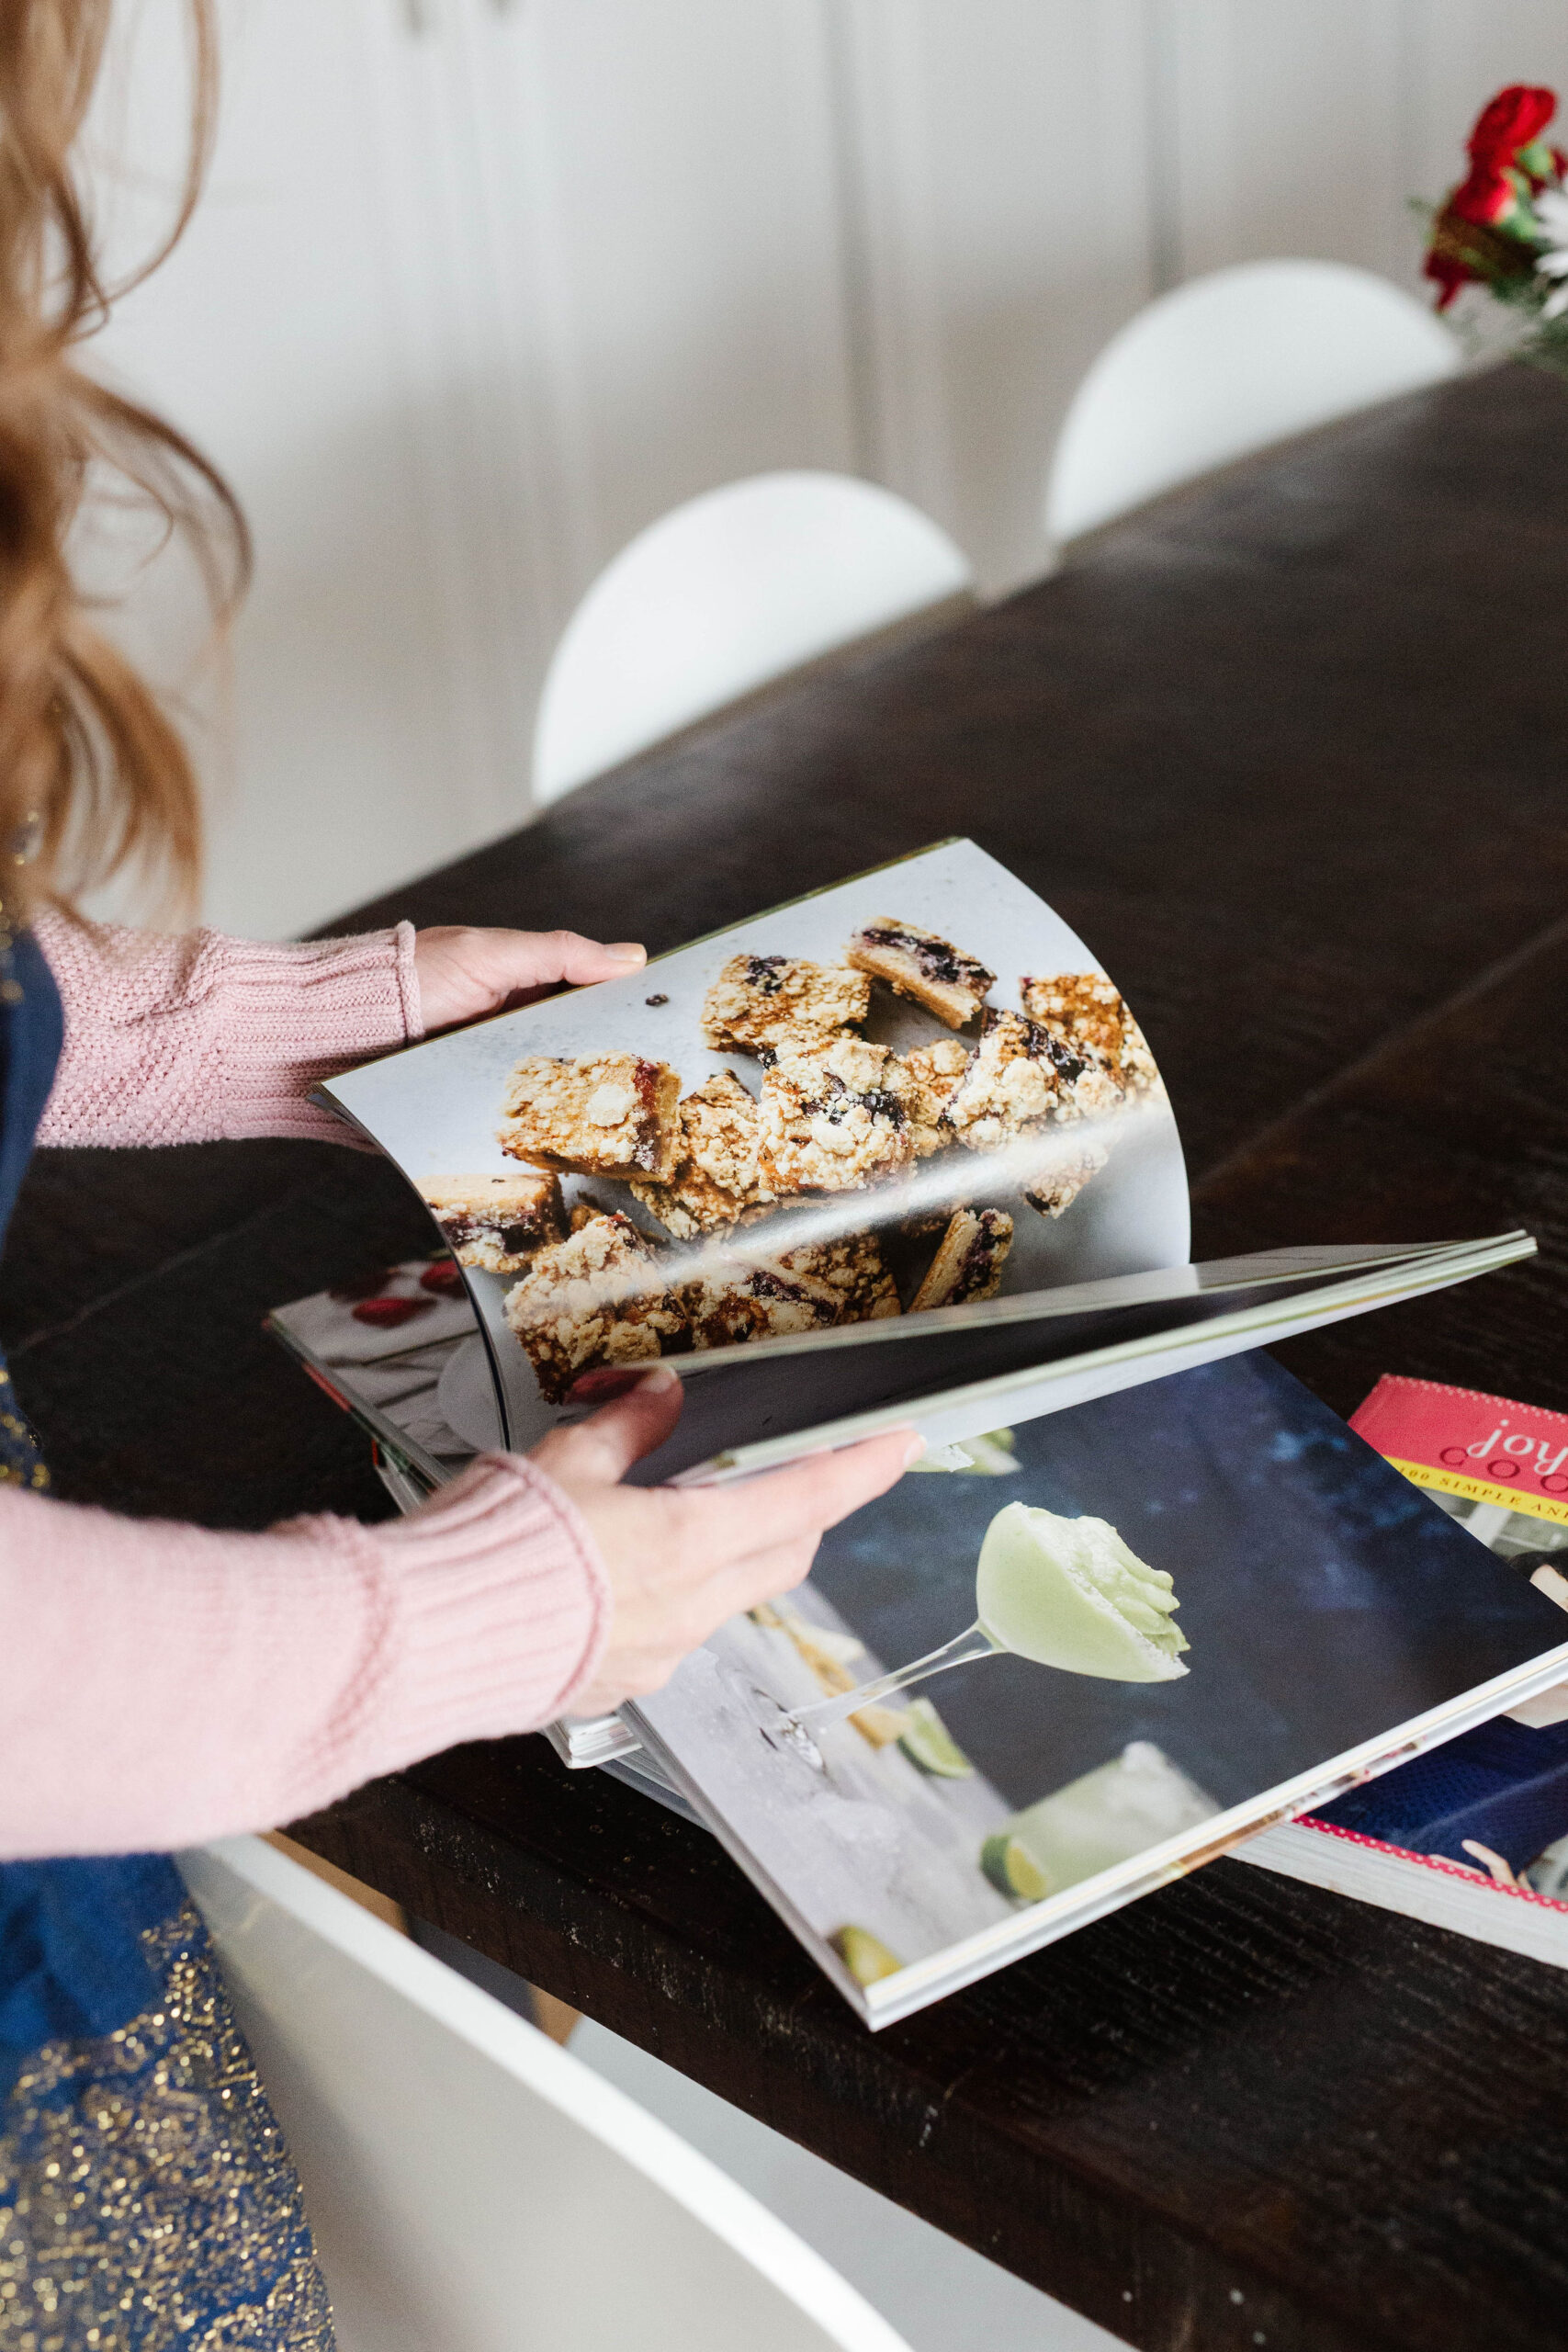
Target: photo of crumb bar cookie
[(598, 1298), (496, 1222), (594, 1115), (737, 1299), (767, 1001), (1084, 1009), (714, 1183), (750, 1295), (691, 1204), (1021, 1075), (931, 1075), (919, 965), (1058, 1189), (969, 1262), (852, 1267), (832, 1118)]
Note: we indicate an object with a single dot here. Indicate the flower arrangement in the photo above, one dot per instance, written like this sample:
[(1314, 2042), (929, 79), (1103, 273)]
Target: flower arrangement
[(1505, 227)]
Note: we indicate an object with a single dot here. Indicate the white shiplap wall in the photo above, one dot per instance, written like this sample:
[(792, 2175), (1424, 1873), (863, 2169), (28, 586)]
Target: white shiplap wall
[(1000, 223), (468, 305)]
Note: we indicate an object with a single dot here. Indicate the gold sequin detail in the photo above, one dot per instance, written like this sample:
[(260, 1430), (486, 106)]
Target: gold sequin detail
[(147, 2200), (27, 1470)]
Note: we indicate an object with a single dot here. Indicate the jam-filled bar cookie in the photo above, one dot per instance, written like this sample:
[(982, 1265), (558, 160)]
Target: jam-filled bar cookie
[(760, 1001), (737, 1299), (596, 1299), (852, 1267), (749, 1295), (496, 1222), (1022, 1075), (1084, 1009), (1057, 1185), (919, 965), (931, 1075), (714, 1183), (832, 1118), (968, 1264), (596, 1114)]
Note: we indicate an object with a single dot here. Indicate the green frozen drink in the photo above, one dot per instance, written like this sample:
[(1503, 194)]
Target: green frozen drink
[(1070, 1593), (1063, 1593)]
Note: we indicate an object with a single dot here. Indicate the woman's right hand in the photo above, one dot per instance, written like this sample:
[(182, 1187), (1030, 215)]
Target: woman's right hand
[(681, 1560)]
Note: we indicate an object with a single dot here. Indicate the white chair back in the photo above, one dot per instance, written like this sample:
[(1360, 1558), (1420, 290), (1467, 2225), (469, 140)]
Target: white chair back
[(473, 2188), (1228, 364), (724, 594)]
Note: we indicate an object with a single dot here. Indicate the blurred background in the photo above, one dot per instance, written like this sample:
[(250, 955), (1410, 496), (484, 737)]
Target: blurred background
[(480, 287)]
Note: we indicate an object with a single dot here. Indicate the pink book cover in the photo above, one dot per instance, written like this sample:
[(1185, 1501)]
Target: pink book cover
[(1460, 1441), (1500, 1468)]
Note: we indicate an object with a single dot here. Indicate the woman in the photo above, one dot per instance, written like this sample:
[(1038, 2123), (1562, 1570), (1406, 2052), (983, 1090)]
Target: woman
[(163, 1684)]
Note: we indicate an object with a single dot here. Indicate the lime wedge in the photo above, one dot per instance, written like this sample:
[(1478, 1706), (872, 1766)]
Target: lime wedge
[(865, 1956), (1008, 1866), (925, 1741)]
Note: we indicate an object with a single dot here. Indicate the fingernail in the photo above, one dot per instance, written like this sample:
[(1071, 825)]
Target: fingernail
[(913, 1450), (656, 1383), (628, 951)]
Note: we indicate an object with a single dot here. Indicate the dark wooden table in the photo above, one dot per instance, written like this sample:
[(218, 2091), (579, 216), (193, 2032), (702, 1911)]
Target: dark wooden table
[(1289, 752)]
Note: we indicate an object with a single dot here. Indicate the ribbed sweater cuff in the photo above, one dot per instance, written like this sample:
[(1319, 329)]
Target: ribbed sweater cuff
[(191, 1039), (495, 1609), (293, 1015)]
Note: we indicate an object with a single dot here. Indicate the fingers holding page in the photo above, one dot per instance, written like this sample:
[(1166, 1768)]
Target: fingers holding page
[(805, 1499), (465, 972), (680, 1561), (602, 1448)]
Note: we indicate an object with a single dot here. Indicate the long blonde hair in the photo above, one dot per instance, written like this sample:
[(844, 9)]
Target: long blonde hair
[(91, 766)]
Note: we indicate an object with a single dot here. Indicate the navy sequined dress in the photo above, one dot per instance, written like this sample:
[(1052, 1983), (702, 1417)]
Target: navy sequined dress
[(146, 2196)]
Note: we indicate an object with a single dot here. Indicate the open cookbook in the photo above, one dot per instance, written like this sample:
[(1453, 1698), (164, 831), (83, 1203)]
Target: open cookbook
[(900, 1152)]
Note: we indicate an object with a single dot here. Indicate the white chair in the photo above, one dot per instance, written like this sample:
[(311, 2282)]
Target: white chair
[(1228, 364), (473, 2188), (942, 2295), (730, 593)]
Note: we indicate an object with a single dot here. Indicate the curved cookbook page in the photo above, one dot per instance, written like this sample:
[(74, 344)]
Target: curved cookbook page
[(901, 1117)]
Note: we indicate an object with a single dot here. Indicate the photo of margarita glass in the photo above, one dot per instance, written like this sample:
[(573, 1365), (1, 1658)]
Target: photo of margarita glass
[(1062, 1592), (1329, 1604)]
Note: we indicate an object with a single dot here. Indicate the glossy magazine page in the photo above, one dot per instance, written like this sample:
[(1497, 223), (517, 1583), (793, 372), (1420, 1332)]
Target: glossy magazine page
[(1157, 1620), (842, 1173), (793, 1125)]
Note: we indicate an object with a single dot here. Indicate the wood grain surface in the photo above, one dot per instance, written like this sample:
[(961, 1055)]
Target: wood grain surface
[(1289, 750)]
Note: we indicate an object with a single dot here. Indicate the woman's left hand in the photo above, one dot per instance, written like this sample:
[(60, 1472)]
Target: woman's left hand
[(466, 973)]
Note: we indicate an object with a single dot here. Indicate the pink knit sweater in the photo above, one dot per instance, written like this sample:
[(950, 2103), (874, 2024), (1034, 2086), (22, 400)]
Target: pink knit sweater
[(161, 1684)]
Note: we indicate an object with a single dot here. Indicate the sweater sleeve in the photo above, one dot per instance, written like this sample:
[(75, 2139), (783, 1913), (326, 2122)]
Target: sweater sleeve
[(162, 1684), (194, 1039)]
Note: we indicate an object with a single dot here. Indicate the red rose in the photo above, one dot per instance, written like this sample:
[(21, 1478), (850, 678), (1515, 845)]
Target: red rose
[(1469, 229), (1447, 275), (1509, 121), (1485, 196), (1469, 242)]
